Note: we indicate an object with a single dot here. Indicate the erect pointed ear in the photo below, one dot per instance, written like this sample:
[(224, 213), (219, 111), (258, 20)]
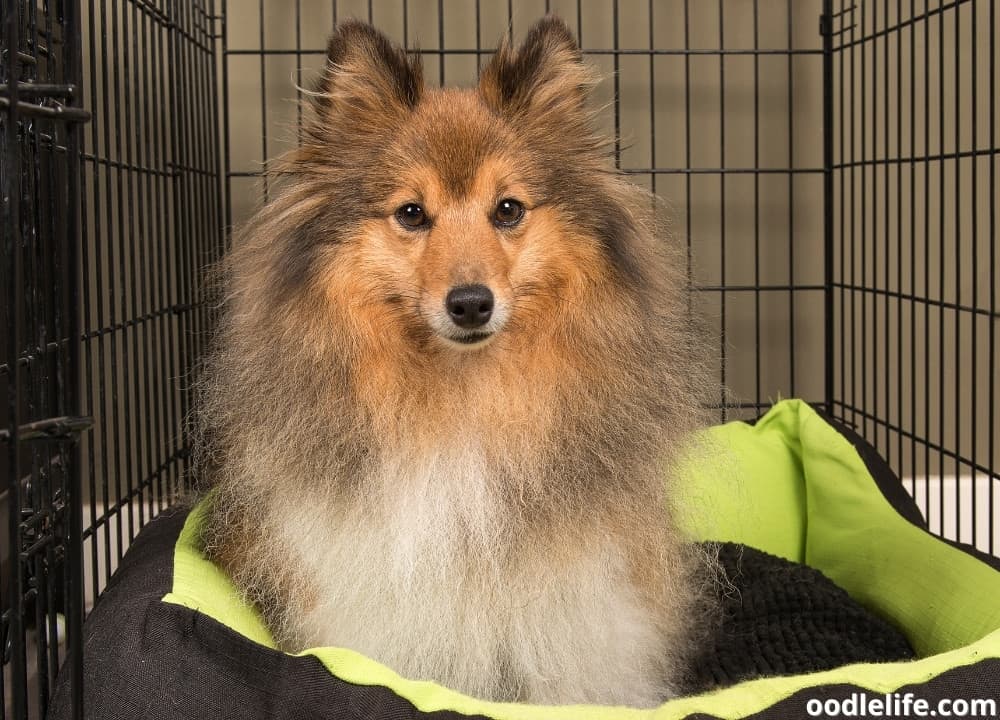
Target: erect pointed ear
[(365, 71), (545, 75)]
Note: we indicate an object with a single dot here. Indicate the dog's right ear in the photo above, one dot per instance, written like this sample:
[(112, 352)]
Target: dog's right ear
[(366, 73), (544, 79)]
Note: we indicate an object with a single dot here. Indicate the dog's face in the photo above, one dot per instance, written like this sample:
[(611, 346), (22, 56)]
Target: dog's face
[(452, 218), (462, 234)]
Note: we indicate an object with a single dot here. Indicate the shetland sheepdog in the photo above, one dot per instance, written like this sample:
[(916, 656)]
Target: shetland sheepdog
[(453, 369)]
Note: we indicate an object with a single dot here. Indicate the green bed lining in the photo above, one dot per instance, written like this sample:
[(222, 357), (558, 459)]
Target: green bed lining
[(790, 485)]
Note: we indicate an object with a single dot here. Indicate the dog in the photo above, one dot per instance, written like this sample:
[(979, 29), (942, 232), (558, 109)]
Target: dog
[(454, 366)]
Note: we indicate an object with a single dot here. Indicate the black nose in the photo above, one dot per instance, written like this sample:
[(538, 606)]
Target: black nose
[(469, 306)]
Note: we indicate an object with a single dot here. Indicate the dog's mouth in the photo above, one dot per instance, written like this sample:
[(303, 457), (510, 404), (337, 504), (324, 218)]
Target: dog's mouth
[(470, 339)]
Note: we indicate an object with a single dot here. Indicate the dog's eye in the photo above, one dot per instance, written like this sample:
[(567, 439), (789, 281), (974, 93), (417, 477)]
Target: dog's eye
[(411, 216), (508, 213)]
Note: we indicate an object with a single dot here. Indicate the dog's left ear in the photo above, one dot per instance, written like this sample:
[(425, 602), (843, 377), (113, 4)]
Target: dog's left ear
[(545, 77)]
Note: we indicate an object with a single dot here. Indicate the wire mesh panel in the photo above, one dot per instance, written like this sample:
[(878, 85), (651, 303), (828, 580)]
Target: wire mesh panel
[(39, 420), (913, 254), (151, 219), (718, 106), (105, 241)]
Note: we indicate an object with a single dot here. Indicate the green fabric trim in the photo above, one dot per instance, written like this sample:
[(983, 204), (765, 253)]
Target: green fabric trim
[(201, 585), (801, 491), (795, 487)]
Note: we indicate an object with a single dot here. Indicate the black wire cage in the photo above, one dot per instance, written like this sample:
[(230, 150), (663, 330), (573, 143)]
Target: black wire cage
[(831, 163)]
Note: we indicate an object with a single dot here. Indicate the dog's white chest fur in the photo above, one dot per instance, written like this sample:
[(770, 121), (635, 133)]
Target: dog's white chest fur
[(420, 583)]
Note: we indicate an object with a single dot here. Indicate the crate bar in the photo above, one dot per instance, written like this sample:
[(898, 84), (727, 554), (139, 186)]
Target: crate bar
[(722, 211), (756, 204), (114, 276), (263, 94), (139, 263), (177, 78), (656, 171), (32, 238), (913, 249), (579, 24), (44, 272), (826, 30), (586, 51), (936, 157), (18, 690), (440, 32), (191, 201), (208, 229), (652, 92), (129, 245), (850, 329), (97, 402), (927, 257), (899, 244), (864, 240), (781, 287), (166, 201), (886, 217), (87, 311), (194, 147), (168, 311), (226, 157), (974, 414), (158, 371), (828, 222), (129, 233), (221, 234), (150, 417), (187, 207), (958, 277), (298, 69), (207, 125), (192, 180), (991, 422), (689, 259), (194, 158), (791, 202), (942, 170), (876, 346), (616, 78), (73, 67), (479, 36)]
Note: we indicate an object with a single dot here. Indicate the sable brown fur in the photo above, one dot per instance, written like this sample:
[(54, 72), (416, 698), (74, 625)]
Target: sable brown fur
[(500, 519)]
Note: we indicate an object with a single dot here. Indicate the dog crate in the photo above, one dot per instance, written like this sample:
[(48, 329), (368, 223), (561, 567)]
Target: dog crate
[(831, 163)]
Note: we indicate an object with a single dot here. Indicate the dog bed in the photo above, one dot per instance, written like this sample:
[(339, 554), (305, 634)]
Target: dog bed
[(169, 639)]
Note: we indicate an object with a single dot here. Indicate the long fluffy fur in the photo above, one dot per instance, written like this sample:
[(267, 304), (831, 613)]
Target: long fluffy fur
[(499, 521)]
